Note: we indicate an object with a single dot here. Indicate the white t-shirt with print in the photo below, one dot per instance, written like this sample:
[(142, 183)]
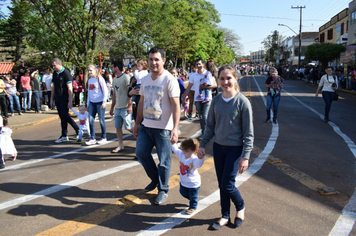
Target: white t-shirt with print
[(198, 79), (188, 168), (157, 111)]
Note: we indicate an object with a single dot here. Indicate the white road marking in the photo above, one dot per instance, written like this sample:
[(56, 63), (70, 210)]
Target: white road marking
[(161, 227), (348, 216), (18, 166)]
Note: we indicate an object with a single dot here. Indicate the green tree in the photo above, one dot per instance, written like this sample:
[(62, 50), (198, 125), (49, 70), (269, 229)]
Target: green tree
[(14, 28), (271, 44), (324, 52)]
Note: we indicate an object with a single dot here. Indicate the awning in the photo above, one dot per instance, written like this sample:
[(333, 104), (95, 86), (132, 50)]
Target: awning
[(6, 67)]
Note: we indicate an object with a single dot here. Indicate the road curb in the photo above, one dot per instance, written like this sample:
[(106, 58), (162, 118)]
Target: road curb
[(34, 122)]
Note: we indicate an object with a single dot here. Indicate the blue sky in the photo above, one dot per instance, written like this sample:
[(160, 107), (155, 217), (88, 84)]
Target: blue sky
[(254, 20)]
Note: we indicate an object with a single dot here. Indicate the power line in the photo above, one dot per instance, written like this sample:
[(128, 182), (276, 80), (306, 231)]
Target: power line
[(269, 17)]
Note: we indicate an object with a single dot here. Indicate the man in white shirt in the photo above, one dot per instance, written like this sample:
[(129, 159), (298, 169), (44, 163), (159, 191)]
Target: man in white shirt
[(46, 84), (195, 81), (160, 108)]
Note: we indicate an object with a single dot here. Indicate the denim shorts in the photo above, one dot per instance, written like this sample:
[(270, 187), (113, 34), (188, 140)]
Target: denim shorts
[(121, 117)]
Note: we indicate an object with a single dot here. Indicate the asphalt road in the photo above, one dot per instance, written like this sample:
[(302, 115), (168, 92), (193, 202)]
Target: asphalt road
[(67, 189)]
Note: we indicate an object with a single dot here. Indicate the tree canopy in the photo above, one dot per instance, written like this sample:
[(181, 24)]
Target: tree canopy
[(78, 30), (324, 52)]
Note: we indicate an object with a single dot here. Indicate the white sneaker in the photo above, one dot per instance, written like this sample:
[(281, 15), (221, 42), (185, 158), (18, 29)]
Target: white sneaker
[(91, 142), (102, 141), (62, 140)]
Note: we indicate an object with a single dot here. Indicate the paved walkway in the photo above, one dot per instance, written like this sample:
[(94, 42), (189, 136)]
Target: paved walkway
[(31, 118)]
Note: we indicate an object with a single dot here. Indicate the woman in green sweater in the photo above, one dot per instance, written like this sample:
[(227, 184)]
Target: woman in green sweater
[(233, 142)]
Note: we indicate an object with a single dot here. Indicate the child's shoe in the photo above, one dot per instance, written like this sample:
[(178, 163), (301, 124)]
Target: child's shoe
[(14, 157), (91, 142), (206, 100), (79, 141), (200, 97), (189, 211)]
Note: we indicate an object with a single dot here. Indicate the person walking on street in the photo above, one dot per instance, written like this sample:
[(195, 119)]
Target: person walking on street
[(328, 84), (62, 94), (274, 84), (159, 108), (230, 123), (96, 103), (121, 107), (197, 80)]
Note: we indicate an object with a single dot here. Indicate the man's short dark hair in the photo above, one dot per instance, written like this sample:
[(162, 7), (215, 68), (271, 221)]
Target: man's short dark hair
[(118, 64), (199, 59), (157, 49)]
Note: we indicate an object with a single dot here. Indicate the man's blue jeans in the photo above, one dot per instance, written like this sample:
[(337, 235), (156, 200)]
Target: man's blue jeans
[(94, 108), (328, 99), (191, 194), (27, 99), (203, 110), (146, 140), (36, 96), (226, 160), (15, 98), (62, 108), (275, 101)]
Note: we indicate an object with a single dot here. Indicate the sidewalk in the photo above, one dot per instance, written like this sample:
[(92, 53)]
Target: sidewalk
[(31, 118)]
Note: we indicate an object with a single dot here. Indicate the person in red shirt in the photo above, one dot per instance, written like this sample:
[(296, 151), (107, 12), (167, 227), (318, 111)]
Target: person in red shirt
[(26, 89)]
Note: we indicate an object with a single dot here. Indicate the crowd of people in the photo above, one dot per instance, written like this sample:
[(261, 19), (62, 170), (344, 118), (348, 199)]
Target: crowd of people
[(147, 100)]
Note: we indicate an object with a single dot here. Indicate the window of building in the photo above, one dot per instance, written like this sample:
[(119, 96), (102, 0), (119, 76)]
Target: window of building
[(330, 34), (342, 28), (322, 38), (353, 18)]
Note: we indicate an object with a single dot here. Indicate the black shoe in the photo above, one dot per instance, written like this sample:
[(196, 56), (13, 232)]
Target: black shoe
[(238, 222), (326, 119), (217, 226), (274, 121), (267, 120), (77, 131), (161, 197), (150, 187), (2, 165)]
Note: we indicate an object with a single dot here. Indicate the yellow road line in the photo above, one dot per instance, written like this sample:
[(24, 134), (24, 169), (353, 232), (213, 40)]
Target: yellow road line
[(108, 212)]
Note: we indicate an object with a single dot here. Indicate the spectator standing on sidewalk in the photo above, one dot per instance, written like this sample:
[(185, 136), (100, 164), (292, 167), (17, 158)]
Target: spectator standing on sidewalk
[(160, 111), (77, 89), (96, 103), (26, 89), (121, 107), (12, 94), (36, 91), (47, 88), (3, 98), (62, 95)]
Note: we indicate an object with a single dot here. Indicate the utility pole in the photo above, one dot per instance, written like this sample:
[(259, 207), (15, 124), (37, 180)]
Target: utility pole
[(300, 33)]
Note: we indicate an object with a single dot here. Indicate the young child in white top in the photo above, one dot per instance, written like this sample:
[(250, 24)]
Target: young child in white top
[(83, 116), (6, 144), (189, 176), (142, 71)]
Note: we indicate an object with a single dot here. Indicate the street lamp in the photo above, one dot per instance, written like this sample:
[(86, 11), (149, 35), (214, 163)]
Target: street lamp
[(300, 43)]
